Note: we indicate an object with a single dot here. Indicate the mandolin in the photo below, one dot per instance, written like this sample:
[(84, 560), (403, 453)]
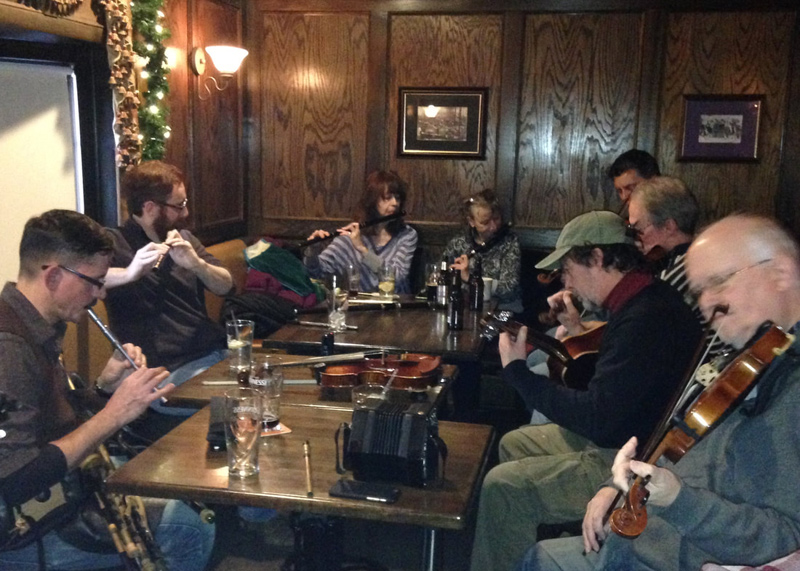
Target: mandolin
[(570, 362)]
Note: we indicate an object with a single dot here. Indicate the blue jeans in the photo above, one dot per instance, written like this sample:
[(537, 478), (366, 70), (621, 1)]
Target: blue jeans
[(183, 374), (185, 541)]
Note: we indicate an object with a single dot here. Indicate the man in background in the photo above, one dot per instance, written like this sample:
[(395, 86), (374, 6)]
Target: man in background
[(628, 170)]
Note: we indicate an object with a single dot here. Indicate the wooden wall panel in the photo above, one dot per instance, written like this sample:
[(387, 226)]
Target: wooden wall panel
[(444, 51), (727, 53), (178, 148), (314, 85), (218, 190), (578, 111)]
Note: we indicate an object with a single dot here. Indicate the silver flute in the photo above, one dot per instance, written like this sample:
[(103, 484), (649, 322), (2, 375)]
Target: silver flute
[(115, 342), (110, 336)]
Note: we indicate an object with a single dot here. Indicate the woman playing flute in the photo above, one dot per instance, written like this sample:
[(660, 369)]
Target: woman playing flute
[(367, 247)]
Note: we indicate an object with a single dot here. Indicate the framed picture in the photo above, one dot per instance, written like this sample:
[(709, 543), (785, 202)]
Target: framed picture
[(721, 127), (438, 122)]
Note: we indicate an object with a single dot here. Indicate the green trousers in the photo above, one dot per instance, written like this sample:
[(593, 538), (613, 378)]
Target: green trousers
[(546, 474)]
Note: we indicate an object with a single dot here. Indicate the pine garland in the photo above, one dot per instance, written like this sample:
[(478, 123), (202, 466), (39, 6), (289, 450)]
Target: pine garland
[(148, 24)]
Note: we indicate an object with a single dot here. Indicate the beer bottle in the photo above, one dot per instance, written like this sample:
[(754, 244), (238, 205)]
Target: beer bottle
[(476, 286), (455, 303), (442, 285)]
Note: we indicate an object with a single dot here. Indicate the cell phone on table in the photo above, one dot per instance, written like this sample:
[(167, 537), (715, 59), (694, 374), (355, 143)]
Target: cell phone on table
[(370, 491)]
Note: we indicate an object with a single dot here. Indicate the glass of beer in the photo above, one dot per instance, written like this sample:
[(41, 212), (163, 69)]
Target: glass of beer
[(243, 412), (386, 280)]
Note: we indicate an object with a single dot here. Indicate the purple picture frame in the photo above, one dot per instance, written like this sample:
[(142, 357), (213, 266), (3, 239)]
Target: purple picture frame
[(721, 127)]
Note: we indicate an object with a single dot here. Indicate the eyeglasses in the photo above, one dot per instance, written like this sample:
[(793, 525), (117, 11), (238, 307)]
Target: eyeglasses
[(180, 206), (631, 231), (715, 284), (98, 283)]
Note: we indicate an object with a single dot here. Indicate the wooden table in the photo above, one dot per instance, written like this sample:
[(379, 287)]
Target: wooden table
[(195, 394), (420, 330), (179, 466)]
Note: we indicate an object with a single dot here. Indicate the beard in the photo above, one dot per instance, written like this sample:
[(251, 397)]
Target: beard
[(162, 225)]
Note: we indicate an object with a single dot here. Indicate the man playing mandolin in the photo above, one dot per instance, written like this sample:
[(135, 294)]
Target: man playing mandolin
[(548, 472), (733, 497)]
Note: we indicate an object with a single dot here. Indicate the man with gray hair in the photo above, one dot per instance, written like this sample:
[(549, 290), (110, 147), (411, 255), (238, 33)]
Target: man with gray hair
[(662, 217)]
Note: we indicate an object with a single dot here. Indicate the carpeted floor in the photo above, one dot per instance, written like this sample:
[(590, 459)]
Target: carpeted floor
[(265, 547)]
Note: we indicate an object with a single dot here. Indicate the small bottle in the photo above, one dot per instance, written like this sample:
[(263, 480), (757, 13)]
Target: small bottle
[(327, 344), (442, 286), (476, 286), (455, 303)]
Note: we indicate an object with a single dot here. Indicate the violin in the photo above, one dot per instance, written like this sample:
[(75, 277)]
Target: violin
[(414, 371), (712, 406), (570, 362)]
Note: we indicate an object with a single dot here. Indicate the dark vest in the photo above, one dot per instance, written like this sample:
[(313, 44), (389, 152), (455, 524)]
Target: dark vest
[(57, 417)]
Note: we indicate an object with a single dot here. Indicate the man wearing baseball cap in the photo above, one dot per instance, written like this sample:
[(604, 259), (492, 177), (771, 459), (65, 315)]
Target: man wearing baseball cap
[(547, 473)]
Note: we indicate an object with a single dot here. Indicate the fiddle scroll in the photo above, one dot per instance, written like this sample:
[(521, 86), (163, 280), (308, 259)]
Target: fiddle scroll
[(712, 406)]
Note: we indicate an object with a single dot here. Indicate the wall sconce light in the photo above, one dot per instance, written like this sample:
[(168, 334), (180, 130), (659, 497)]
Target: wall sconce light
[(227, 60)]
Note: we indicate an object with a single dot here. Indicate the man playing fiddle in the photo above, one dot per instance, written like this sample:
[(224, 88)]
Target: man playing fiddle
[(159, 274), (733, 496), (548, 472)]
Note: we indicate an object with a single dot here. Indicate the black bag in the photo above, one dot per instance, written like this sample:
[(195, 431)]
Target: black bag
[(269, 313), (393, 442)]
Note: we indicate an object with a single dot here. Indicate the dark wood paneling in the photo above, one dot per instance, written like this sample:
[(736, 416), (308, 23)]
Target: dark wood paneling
[(788, 200), (178, 147), (444, 51), (580, 90), (314, 113), (218, 190), (733, 53)]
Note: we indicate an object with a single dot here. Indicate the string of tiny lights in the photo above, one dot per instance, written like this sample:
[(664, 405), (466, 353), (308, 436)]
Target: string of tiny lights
[(150, 33)]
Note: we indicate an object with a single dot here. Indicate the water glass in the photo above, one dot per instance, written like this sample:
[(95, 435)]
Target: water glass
[(338, 297), (386, 280), (240, 345), (243, 413)]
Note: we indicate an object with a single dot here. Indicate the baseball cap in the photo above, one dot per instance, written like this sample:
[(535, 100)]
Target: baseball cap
[(591, 229)]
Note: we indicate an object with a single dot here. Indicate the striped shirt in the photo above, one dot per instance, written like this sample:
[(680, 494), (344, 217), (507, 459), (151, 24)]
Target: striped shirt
[(398, 252), (675, 275)]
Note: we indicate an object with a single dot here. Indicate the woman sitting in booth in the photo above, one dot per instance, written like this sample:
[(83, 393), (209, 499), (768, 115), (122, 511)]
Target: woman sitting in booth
[(491, 241), (365, 246)]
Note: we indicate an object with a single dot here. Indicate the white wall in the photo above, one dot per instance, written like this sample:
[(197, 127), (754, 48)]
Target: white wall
[(39, 150)]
